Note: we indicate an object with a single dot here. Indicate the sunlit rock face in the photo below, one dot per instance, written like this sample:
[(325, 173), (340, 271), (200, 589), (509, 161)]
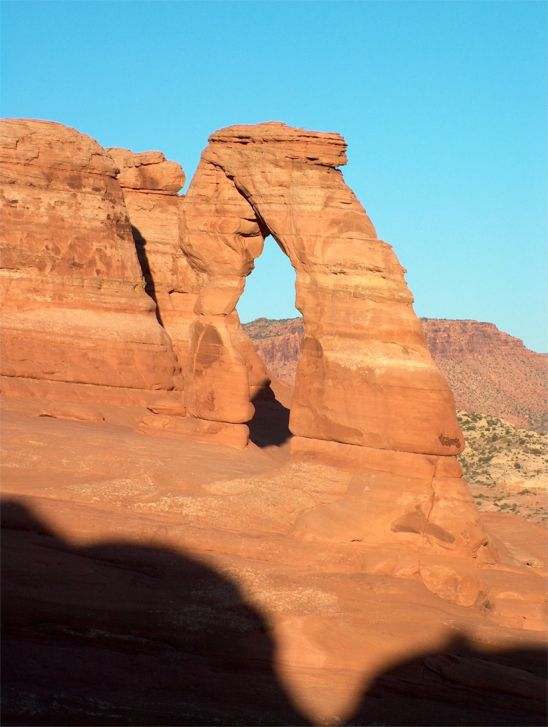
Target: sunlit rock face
[(74, 306), (367, 391), (151, 186), (90, 291), (365, 376)]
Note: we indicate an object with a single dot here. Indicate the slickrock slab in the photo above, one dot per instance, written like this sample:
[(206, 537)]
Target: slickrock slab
[(413, 503), (73, 299), (136, 560)]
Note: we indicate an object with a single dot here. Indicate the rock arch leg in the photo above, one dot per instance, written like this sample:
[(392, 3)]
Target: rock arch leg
[(221, 236)]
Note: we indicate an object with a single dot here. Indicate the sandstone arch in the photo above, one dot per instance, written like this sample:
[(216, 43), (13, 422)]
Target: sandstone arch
[(365, 376)]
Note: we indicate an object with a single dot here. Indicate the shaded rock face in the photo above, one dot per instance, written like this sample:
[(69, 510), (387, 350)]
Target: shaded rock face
[(74, 306), (150, 186), (365, 376)]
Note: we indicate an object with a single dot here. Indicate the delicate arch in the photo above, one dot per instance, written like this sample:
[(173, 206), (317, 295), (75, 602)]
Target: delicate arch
[(365, 376)]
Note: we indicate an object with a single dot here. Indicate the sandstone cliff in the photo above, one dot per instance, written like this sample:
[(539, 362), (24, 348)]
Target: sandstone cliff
[(255, 586), (150, 185), (368, 396), (74, 306)]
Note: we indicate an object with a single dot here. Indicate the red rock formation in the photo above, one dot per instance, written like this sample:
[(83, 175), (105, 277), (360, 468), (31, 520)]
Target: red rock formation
[(74, 306), (221, 237), (278, 343), (488, 370), (130, 559), (151, 185), (365, 375)]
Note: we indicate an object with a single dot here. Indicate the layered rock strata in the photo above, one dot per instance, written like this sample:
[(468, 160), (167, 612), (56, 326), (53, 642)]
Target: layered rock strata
[(368, 395), (75, 311), (151, 185), (488, 370), (491, 371)]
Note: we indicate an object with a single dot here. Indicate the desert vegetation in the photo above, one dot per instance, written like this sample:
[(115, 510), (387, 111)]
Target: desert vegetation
[(506, 467)]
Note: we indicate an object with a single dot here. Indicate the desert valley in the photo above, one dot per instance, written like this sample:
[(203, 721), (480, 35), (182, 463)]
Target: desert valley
[(277, 523)]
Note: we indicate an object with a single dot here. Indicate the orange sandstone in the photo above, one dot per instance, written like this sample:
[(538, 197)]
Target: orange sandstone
[(150, 186), (74, 306), (365, 376)]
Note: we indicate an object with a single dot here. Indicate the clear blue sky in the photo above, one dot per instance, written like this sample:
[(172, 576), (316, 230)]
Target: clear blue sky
[(443, 105)]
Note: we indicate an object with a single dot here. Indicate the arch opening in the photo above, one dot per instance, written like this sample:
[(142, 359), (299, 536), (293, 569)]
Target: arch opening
[(270, 289), (265, 308)]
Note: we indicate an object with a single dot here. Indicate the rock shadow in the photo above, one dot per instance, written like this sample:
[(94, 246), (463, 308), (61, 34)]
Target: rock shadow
[(142, 257), (460, 685), (270, 423), (119, 633)]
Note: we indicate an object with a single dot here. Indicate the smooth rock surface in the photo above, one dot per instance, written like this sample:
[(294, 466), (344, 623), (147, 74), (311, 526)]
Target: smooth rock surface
[(158, 561)]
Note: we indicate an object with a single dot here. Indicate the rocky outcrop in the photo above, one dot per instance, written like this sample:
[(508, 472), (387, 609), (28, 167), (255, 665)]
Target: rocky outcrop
[(150, 185), (467, 337), (241, 590), (75, 311), (365, 376), (147, 171)]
